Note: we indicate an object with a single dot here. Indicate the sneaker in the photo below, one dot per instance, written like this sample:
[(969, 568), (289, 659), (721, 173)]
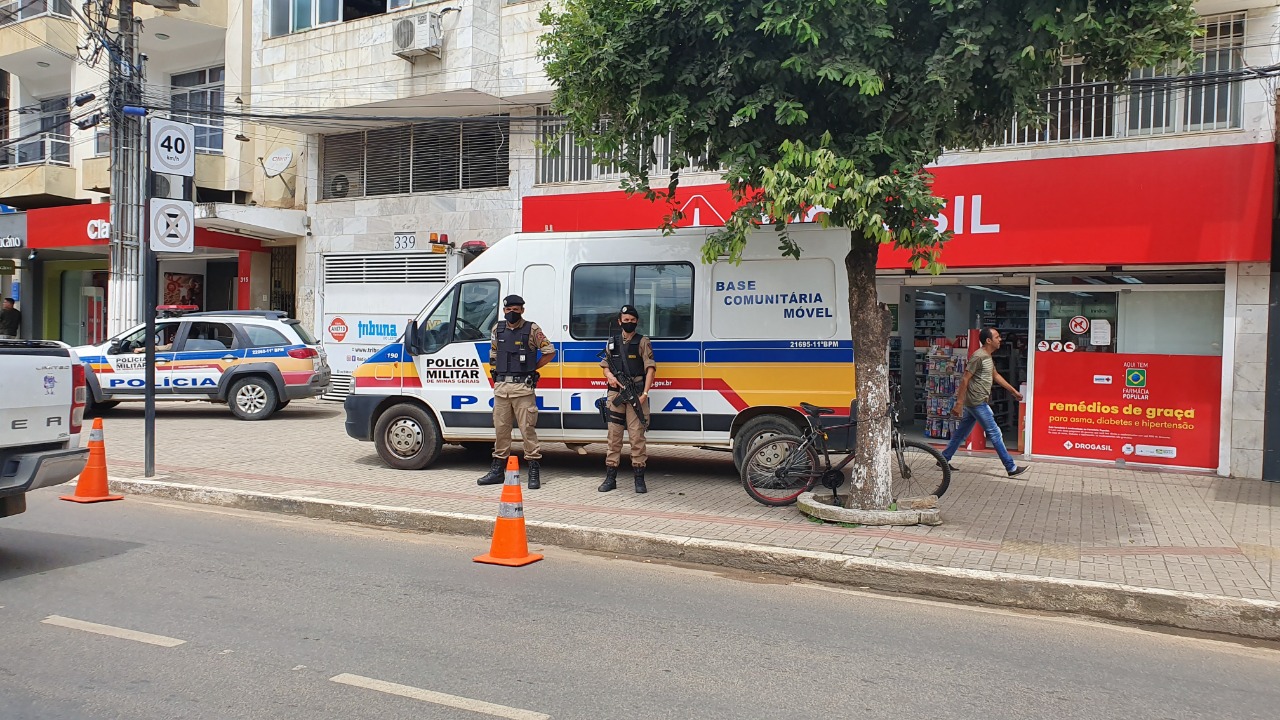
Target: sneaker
[(953, 467), (1018, 470)]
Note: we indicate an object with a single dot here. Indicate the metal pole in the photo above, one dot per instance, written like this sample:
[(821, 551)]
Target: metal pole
[(151, 282)]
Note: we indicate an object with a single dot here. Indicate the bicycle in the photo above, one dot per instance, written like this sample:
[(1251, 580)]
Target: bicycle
[(779, 468)]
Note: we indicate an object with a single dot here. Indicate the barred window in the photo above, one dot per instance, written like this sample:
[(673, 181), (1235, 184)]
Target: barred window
[(433, 156), (562, 160), (197, 98), (1213, 106)]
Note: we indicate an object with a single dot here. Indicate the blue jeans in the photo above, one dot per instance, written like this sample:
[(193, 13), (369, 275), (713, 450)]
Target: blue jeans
[(972, 416)]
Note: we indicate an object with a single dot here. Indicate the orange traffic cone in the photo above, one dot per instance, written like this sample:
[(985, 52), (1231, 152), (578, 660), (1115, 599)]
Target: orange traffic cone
[(510, 547), (92, 486)]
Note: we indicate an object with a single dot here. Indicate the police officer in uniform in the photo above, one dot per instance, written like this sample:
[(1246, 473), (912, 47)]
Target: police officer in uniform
[(517, 350), (633, 353)]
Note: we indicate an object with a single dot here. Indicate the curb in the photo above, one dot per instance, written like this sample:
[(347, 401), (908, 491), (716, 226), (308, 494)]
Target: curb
[(1244, 617)]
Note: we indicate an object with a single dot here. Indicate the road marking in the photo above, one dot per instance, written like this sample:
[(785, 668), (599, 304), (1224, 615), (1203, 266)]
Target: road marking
[(430, 696), (112, 631)]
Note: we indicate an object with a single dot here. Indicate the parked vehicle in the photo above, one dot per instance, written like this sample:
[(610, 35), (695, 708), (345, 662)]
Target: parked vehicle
[(255, 361), (42, 403), (738, 346)]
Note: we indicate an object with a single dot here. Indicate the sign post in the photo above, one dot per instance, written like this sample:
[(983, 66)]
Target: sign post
[(169, 226)]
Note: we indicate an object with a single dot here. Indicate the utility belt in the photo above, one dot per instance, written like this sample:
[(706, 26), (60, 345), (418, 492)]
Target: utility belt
[(515, 378), (635, 378)]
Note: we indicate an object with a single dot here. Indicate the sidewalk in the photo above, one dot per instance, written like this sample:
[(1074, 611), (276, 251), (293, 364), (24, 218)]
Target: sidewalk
[(1151, 530)]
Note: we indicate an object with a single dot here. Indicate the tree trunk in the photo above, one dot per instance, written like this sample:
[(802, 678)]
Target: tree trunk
[(870, 322)]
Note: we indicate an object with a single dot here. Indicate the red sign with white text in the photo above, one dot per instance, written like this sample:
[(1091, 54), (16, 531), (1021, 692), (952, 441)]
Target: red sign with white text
[(1155, 409), (1201, 205)]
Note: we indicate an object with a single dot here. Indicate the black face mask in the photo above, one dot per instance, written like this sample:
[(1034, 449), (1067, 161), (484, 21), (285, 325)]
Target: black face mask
[(513, 317), (629, 327)]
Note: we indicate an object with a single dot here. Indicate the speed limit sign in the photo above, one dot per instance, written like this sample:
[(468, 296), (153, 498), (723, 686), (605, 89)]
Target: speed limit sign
[(173, 150)]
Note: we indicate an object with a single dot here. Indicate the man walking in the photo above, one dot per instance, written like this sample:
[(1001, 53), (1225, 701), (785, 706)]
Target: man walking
[(972, 401), (517, 350), (10, 321), (629, 353)]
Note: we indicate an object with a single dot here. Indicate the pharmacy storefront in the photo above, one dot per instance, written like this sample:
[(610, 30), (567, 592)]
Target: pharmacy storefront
[(1130, 289)]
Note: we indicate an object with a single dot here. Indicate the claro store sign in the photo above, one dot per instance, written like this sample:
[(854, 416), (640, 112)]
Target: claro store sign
[(1202, 205), (1151, 409)]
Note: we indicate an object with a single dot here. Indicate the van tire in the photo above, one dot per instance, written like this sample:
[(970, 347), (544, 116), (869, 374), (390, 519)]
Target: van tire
[(756, 429), (253, 398), (407, 437)]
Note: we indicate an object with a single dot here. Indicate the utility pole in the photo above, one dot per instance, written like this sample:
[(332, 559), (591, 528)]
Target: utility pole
[(125, 295)]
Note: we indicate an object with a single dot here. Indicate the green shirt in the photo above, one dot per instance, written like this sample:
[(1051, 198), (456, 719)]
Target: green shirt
[(981, 368)]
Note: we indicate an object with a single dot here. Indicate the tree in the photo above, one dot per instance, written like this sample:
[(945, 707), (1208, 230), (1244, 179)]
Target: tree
[(838, 104)]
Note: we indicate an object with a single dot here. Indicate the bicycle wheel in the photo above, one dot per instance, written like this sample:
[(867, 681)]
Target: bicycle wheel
[(919, 471), (777, 469)]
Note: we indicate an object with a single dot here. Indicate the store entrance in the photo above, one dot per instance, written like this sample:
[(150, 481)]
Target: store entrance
[(929, 346)]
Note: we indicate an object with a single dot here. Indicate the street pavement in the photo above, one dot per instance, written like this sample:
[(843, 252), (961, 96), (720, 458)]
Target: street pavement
[(250, 615), (1170, 531)]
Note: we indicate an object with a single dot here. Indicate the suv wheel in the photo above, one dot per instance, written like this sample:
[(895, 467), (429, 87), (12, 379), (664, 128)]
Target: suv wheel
[(407, 437), (253, 398)]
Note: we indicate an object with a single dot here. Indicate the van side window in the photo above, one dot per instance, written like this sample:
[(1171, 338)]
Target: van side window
[(466, 314), (662, 292)]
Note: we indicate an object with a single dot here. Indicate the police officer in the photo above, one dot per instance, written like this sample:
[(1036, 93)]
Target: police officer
[(518, 349), (632, 353)]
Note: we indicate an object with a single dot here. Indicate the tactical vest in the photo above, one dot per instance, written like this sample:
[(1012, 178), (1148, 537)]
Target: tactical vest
[(515, 357), (632, 363)]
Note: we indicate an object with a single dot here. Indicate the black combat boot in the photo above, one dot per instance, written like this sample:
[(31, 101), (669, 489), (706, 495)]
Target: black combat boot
[(610, 480), (535, 481), (497, 472), (640, 487)]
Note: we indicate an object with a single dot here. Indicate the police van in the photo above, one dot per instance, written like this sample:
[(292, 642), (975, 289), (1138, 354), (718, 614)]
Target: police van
[(738, 346)]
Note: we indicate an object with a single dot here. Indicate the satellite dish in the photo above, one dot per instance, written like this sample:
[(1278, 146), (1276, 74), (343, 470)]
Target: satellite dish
[(278, 161)]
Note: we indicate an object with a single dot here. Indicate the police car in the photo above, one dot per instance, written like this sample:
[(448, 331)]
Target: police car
[(256, 361)]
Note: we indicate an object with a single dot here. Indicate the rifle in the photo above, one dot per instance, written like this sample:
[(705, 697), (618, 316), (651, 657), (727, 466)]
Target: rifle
[(627, 390)]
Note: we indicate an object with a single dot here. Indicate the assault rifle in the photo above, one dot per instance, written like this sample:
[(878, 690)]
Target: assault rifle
[(627, 391)]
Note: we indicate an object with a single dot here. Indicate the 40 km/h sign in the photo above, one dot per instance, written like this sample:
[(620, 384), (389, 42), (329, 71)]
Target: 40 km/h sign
[(173, 148)]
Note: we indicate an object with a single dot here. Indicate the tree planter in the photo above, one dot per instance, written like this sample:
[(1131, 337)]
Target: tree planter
[(820, 506)]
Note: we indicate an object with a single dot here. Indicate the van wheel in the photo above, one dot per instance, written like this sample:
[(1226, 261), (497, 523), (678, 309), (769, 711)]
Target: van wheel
[(407, 437), (253, 398), (757, 429)]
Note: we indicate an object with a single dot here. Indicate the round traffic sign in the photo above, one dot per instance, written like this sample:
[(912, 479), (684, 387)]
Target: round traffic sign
[(173, 147), (172, 226), (1079, 325), (1043, 346)]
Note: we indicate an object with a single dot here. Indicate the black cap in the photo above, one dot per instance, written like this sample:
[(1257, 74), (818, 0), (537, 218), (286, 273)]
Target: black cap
[(510, 300), (629, 310)]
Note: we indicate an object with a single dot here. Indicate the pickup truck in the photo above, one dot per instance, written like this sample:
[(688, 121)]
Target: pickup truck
[(42, 402)]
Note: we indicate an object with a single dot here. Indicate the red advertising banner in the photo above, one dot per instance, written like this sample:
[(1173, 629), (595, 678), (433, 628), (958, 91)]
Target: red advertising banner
[(1199, 205), (1157, 409)]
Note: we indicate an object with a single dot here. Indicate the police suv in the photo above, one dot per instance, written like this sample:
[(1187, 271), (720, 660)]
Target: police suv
[(256, 361)]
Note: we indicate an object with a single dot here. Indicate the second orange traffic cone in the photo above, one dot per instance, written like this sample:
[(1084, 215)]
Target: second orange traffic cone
[(92, 486), (510, 546)]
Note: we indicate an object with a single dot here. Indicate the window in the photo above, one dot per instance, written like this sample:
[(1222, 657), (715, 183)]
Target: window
[(19, 10), (209, 337), (434, 156), (561, 159), (197, 98), (466, 314), (1080, 107), (662, 293), (263, 336), (289, 16), (1217, 106), (136, 341)]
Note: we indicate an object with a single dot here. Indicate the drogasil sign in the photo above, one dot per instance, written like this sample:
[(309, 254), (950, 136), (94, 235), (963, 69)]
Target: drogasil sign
[(338, 329)]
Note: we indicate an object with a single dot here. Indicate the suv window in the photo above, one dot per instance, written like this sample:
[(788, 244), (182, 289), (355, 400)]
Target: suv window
[(263, 336), (307, 337), (137, 340), (466, 314), (209, 336)]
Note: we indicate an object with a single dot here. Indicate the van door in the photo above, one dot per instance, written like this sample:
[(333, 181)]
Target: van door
[(541, 295), (452, 365)]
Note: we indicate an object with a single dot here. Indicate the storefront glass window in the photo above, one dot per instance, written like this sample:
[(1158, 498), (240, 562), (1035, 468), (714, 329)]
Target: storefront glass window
[(1059, 321), (1172, 323)]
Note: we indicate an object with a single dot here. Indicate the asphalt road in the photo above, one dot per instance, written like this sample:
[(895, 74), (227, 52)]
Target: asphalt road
[(269, 610)]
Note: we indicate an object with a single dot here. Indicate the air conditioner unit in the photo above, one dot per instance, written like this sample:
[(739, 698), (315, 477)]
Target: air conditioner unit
[(342, 183), (417, 35)]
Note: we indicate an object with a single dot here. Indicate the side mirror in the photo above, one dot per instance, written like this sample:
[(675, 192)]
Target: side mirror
[(412, 344), (115, 347)]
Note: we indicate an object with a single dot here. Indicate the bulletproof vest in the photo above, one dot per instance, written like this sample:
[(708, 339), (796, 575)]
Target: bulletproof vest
[(632, 363), (514, 354)]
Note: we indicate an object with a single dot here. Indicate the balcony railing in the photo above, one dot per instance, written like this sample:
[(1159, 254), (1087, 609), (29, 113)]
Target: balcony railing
[(43, 149), (15, 11)]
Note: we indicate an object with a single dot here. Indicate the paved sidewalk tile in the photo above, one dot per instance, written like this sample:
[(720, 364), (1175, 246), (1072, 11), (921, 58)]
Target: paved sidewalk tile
[(1164, 530)]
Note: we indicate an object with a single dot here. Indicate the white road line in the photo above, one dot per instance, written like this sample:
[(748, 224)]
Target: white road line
[(452, 701), (112, 631)]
